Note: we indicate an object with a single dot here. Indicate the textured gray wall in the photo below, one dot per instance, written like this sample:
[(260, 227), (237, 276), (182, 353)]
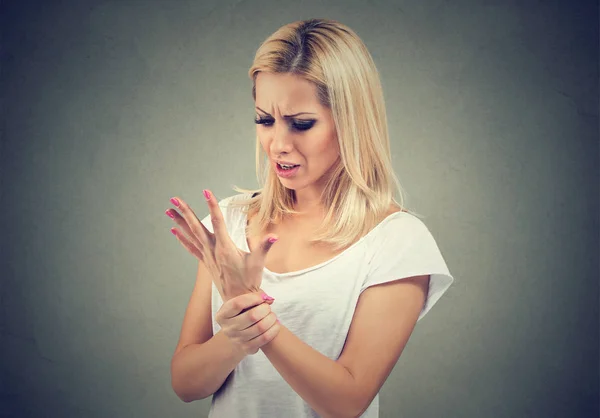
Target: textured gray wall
[(109, 108)]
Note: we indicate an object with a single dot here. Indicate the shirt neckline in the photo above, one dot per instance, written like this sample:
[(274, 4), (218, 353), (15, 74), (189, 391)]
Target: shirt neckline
[(321, 264)]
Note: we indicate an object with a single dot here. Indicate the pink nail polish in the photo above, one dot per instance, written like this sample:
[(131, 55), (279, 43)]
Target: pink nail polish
[(272, 240), (175, 201), (206, 194), (174, 231), (267, 297), (169, 214)]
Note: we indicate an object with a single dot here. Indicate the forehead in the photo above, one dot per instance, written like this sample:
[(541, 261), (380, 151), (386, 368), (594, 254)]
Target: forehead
[(286, 91)]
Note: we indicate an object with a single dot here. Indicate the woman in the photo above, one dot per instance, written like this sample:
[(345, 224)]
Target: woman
[(350, 270)]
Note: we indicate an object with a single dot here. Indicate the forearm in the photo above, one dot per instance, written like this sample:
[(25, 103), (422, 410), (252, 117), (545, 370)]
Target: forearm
[(327, 386), (199, 370)]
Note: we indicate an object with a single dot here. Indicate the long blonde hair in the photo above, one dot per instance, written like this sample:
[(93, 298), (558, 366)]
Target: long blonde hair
[(361, 187)]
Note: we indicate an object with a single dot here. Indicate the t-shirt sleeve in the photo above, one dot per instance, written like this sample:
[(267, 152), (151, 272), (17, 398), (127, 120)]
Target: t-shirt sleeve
[(407, 248)]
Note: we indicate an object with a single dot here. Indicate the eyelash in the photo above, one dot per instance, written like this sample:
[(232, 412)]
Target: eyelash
[(304, 126)]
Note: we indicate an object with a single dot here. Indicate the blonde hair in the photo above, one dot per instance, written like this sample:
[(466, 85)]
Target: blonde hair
[(360, 189)]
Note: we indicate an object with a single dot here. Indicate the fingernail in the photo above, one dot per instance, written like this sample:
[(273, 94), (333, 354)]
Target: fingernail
[(272, 240), (279, 321), (174, 231), (267, 297), (206, 194), (175, 201), (169, 214)]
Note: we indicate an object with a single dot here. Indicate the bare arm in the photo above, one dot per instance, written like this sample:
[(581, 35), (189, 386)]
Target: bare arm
[(201, 362), (383, 321), (199, 370)]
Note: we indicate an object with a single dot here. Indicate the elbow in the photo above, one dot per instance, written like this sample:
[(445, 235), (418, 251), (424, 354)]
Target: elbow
[(353, 406), (357, 405), (184, 397), (181, 392), (185, 394), (352, 410), (183, 388), (188, 399), (357, 402), (347, 411)]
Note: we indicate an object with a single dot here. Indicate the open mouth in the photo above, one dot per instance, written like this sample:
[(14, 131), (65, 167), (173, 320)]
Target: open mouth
[(285, 170), (287, 167)]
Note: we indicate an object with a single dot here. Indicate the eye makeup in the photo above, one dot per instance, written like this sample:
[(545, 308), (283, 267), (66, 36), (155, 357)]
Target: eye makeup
[(297, 125)]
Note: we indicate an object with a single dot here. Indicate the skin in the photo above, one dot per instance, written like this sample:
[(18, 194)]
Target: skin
[(385, 314), (315, 149)]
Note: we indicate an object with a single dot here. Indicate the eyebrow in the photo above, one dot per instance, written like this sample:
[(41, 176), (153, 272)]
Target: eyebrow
[(287, 116)]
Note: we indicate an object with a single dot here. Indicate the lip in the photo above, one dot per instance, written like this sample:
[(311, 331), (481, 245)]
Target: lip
[(286, 173), (286, 163)]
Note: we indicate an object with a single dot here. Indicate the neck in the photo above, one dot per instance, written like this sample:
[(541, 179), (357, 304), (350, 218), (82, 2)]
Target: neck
[(308, 202)]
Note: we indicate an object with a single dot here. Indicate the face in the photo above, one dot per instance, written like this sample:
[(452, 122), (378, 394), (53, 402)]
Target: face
[(293, 127)]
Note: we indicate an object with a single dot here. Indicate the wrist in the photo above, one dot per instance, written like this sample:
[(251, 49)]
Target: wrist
[(237, 353), (234, 293)]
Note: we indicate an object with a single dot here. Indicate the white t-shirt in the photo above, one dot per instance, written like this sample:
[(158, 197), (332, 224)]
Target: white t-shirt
[(317, 304)]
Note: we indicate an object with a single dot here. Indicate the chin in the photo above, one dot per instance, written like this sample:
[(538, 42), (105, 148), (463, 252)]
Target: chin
[(288, 184)]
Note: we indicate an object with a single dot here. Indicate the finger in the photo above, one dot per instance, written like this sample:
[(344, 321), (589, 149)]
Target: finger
[(256, 259), (216, 217), (267, 244), (258, 328), (268, 302), (235, 306), (189, 245), (265, 337), (254, 315), (196, 227), (183, 225)]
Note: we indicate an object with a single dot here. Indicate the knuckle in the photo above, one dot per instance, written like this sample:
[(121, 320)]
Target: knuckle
[(196, 229), (261, 327), (253, 316), (265, 338), (266, 309), (237, 305)]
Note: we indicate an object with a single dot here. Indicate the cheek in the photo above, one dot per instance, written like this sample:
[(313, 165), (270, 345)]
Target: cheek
[(326, 145)]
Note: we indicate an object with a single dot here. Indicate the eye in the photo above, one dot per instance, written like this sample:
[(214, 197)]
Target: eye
[(303, 125), (297, 125), (263, 121)]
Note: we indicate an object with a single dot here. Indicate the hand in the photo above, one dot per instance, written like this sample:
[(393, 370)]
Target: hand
[(248, 322), (234, 272)]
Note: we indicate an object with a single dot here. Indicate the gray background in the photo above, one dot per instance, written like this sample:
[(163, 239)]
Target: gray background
[(109, 108)]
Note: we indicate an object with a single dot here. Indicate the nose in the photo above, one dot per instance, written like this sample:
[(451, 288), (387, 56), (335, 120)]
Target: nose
[(281, 142)]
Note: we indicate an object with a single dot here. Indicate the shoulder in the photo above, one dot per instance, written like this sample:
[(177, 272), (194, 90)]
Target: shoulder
[(396, 233), (402, 223)]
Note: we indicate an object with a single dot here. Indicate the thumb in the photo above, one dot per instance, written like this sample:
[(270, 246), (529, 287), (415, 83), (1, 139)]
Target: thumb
[(255, 260), (268, 243)]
